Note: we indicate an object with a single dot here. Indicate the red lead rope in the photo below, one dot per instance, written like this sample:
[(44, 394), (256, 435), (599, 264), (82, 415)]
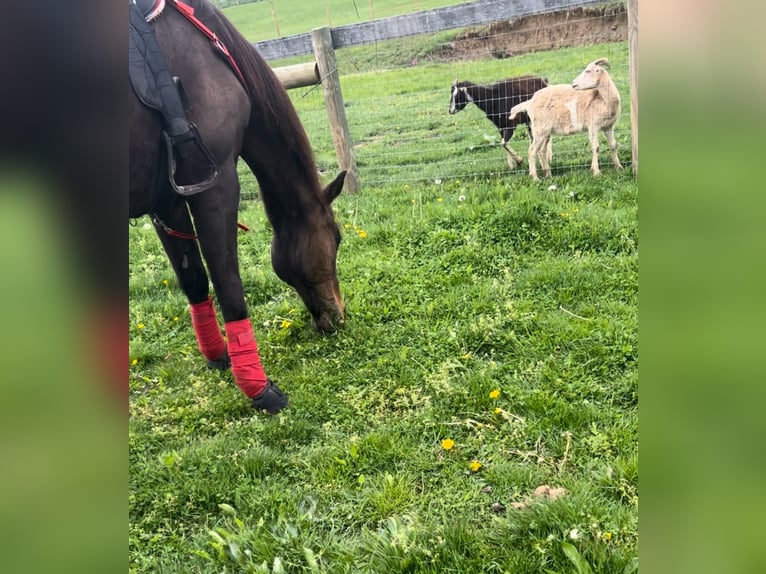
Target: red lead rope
[(188, 12), (183, 234)]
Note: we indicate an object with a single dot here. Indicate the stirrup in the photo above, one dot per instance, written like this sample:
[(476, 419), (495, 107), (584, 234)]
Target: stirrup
[(194, 188)]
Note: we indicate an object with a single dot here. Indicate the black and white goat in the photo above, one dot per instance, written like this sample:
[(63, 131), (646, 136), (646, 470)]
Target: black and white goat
[(496, 100)]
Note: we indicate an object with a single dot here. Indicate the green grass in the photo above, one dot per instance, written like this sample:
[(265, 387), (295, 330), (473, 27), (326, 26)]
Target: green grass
[(402, 132), (256, 21), (483, 281)]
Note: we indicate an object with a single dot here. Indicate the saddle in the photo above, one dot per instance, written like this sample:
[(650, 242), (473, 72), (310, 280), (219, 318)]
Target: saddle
[(156, 88)]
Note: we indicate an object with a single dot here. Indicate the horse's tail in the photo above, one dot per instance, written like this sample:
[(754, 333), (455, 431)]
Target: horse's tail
[(272, 110)]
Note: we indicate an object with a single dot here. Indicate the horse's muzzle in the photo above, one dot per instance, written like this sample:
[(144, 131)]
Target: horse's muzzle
[(332, 316), (329, 322)]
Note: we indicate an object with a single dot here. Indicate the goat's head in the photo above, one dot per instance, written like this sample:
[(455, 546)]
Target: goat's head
[(593, 76), (459, 97)]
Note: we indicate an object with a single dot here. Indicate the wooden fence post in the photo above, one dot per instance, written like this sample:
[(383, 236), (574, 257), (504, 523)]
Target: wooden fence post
[(633, 57), (324, 52)]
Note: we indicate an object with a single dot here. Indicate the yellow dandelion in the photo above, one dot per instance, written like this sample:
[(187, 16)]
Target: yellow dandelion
[(475, 466), (362, 233), (165, 281), (439, 199), (175, 318), (494, 394), (346, 225), (140, 325), (406, 186), (285, 324), (498, 410), (607, 536), (448, 444), (134, 362)]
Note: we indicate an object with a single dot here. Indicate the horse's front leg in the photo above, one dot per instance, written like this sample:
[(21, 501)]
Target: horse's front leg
[(175, 230), (215, 217)]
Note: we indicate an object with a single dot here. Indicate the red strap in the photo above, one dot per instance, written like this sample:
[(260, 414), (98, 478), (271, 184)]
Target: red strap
[(171, 231), (180, 234), (184, 235), (188, 12)]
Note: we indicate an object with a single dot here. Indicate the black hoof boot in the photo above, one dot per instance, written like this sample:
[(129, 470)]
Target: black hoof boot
[(221, 363), (272, 399)]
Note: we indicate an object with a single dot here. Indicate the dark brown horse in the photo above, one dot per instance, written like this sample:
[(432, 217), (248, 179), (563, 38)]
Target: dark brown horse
[(255, 120)]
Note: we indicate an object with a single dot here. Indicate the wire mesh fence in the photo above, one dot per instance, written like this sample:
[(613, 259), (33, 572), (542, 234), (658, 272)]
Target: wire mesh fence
[(397, 97)]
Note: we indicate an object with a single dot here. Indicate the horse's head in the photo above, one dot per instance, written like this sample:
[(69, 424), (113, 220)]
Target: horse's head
[(304, 253)]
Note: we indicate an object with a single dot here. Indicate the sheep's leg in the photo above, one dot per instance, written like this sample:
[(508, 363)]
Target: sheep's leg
[(610, 139), (513, 158), (593, 137), (544, 146), (534, 148), (549, 150)]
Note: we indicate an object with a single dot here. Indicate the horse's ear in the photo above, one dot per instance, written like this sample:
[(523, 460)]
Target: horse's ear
[(335, 187)]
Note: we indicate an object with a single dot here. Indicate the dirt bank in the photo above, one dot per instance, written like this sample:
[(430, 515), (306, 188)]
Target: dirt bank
[(581, 26)]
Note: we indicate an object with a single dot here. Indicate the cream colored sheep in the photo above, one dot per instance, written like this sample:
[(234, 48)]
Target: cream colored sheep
[(591, 103)]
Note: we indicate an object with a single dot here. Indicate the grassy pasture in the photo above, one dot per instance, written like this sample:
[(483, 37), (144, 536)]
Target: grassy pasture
[(483, 309), (402, 131), (256, 21)]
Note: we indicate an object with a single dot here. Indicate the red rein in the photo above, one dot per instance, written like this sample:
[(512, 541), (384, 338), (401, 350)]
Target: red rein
[(183, 234), (188, 13)]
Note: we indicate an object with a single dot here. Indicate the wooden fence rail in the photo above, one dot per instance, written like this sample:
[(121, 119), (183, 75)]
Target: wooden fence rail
[(425, 22)]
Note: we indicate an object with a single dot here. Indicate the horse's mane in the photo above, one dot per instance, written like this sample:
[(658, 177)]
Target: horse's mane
[(263, 87)]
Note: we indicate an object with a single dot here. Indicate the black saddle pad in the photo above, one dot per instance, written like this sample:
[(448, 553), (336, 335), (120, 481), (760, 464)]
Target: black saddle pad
[(140, 54)]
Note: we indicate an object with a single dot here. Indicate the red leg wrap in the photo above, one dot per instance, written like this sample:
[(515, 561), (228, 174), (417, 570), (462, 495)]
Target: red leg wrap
[(209, 337), (245, 361)]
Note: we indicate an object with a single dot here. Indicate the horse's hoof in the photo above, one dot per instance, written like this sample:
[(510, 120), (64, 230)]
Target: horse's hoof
[(221, 363), (272, 399)]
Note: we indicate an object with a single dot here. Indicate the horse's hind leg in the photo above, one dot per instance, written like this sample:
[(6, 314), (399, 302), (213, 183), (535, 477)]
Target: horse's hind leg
[(170, 219), (215, 216)]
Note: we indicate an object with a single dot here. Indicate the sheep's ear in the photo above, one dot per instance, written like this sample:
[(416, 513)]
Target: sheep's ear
[(603, 62), (454, 83)]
